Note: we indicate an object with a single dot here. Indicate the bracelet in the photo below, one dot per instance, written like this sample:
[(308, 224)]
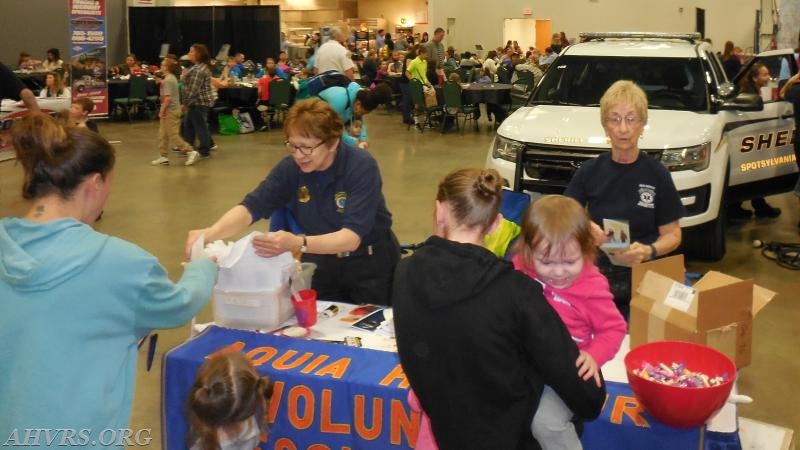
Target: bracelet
[(304, 247), (653, 252)]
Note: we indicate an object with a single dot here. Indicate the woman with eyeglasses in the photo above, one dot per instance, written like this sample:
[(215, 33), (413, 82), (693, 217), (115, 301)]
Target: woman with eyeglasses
[(333, 191), (628, 185)]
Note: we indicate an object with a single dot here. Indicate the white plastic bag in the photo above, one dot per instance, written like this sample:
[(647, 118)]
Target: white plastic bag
[(241, 270)]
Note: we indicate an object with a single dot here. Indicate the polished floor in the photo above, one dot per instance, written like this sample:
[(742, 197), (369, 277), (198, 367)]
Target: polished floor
[(154, 207)]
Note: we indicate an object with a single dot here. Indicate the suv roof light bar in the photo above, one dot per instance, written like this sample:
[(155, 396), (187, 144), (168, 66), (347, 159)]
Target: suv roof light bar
[(591, 36)]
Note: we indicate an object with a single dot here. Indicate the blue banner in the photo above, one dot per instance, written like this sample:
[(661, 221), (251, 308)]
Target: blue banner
[(88, 57)]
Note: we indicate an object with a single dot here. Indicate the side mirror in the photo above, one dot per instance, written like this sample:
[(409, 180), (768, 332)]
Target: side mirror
[(744, 102)]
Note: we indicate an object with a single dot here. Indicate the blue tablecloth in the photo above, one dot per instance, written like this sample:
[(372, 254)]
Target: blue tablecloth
[(346, 397)]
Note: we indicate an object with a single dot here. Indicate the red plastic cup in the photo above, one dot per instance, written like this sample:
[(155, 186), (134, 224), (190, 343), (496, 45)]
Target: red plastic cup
[(306, 308)]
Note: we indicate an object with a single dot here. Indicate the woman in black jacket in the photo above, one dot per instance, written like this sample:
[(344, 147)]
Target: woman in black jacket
[(477, 339)]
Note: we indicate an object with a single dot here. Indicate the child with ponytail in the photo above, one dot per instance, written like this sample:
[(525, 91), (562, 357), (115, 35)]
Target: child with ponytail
[(228, 404)]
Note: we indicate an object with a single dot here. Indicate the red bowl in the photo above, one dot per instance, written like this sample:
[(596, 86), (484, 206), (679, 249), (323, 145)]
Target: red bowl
[(676, 406)]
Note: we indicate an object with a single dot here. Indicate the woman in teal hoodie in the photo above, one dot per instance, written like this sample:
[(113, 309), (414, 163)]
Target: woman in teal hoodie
[(74, 302)]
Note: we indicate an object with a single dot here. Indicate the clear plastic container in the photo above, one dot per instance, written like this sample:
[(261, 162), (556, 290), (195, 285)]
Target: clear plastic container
[(252, 310)]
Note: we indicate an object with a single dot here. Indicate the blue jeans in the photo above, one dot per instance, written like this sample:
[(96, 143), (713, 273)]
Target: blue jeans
[(195, 124)]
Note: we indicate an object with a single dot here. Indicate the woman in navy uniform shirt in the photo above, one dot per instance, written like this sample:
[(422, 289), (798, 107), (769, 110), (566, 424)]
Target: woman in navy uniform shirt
[(629, 185), (333, 190)]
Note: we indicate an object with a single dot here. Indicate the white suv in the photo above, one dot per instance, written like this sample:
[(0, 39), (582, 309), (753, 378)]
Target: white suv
[(719, 147)]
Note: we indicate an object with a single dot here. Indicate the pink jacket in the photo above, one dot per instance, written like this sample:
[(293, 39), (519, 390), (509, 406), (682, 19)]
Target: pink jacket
[(425, 439), (587, 309)]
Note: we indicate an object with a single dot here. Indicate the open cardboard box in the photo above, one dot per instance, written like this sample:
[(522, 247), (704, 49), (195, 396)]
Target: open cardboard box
[(717, 311)]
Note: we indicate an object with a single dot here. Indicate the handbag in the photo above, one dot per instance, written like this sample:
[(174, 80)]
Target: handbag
[(228, 125), (246, 123)]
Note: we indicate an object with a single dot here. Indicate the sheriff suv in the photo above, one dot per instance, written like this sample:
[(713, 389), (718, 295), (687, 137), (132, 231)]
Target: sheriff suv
[(720, 147)]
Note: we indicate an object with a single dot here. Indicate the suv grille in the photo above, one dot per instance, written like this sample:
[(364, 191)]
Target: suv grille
[(549, 169)]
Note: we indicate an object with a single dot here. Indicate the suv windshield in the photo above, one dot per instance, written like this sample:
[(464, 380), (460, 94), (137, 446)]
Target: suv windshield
[(670, 83)]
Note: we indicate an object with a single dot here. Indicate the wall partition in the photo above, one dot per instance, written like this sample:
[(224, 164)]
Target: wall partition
[(252, 30)]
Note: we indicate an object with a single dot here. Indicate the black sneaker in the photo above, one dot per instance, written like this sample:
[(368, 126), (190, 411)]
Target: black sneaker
[(737, 213), (763, 209)]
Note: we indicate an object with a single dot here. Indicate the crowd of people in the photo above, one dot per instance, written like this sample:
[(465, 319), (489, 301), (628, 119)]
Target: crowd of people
[(531, 333)]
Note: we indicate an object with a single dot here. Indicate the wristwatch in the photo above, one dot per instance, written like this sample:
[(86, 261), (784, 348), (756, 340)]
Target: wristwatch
[(304, 247), (653, 252)]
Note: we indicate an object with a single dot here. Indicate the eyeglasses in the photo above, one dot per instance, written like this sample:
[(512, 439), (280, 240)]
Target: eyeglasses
[(616, 121), (291, 148)]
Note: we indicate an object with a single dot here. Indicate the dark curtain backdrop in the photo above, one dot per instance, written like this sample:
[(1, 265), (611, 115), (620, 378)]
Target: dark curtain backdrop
[(252, 30)]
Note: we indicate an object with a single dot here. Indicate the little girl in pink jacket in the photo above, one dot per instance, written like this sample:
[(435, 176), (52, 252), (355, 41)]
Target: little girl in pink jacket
[(556, 248)]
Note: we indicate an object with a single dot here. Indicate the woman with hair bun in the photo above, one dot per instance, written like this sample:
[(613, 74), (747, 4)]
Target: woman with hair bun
[(477, 339), (73, 301)]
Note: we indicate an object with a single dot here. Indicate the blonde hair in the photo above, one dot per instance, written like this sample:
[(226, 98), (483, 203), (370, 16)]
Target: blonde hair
[(313, 118), (228, 390), (624, 91), (555, 220), (474, 196)]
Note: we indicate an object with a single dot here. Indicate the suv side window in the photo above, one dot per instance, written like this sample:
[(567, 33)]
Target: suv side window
[(781, 68), (716, 67)]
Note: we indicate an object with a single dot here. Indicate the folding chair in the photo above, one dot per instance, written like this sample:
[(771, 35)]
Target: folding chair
[(135, 98), (418, 99), (453, 106), (279, 98)]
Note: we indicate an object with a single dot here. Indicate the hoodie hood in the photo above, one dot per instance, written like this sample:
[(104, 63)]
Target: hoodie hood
[(446, 272), (39, 256)]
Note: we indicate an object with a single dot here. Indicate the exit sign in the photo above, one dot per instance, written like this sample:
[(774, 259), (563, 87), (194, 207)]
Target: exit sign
[(527, 11)]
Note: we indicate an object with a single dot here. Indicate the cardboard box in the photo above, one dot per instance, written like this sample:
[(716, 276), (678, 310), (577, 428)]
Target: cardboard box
[(717, 311)]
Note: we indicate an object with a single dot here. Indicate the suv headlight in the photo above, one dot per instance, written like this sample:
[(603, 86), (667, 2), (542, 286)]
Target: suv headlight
[(506, 148), (687, 158)]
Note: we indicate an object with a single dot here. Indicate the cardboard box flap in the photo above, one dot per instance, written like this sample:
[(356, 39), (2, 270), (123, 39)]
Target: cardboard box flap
[(761, 296), (651, 295), (671, 267), (723, 300)]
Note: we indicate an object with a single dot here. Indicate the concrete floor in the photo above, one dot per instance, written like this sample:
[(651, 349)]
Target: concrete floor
[(154, 207)]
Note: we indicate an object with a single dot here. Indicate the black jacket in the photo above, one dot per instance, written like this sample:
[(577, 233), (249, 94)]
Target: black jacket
[(478, 341)]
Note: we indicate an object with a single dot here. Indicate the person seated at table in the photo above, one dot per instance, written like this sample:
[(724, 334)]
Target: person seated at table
[(25, 62), (229, 73), (450, 61), (396, 66), (490, 64), (52, 61), (556, 248), (383, 71), (369, 69), (528, 65), (402, 43), (468, 60), (333, 190), (486, 76), (75, 301), (270, 62), (477, 339), (79, 113), (131, 66), (548, 57), (229, 404), (454, 78), (11, 87), (54, 87), (283, 63)]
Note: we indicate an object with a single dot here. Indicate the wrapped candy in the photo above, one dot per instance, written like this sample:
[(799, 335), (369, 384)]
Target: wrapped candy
[(676, 374)]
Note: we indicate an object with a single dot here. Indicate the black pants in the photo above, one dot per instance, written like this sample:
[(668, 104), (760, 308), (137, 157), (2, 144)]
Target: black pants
[(359, 278), (619, 280)]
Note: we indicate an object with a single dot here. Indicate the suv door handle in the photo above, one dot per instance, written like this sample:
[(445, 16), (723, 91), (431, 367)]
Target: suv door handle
[(787, 114)]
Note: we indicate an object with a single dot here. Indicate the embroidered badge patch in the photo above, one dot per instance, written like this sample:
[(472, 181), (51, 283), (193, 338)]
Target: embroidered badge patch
[(340, 198), (303, 194), (647, 196)]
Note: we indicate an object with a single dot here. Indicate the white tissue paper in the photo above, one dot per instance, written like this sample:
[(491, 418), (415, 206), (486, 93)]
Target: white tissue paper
[(241, 270)]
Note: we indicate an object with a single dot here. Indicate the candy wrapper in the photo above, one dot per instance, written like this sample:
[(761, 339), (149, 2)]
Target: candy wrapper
[(678, 375)]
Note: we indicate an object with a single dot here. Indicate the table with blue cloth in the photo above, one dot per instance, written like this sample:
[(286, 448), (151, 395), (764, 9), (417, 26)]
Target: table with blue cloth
[(348, 397)]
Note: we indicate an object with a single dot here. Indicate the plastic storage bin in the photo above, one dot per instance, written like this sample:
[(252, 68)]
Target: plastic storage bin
[(252, 310)]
